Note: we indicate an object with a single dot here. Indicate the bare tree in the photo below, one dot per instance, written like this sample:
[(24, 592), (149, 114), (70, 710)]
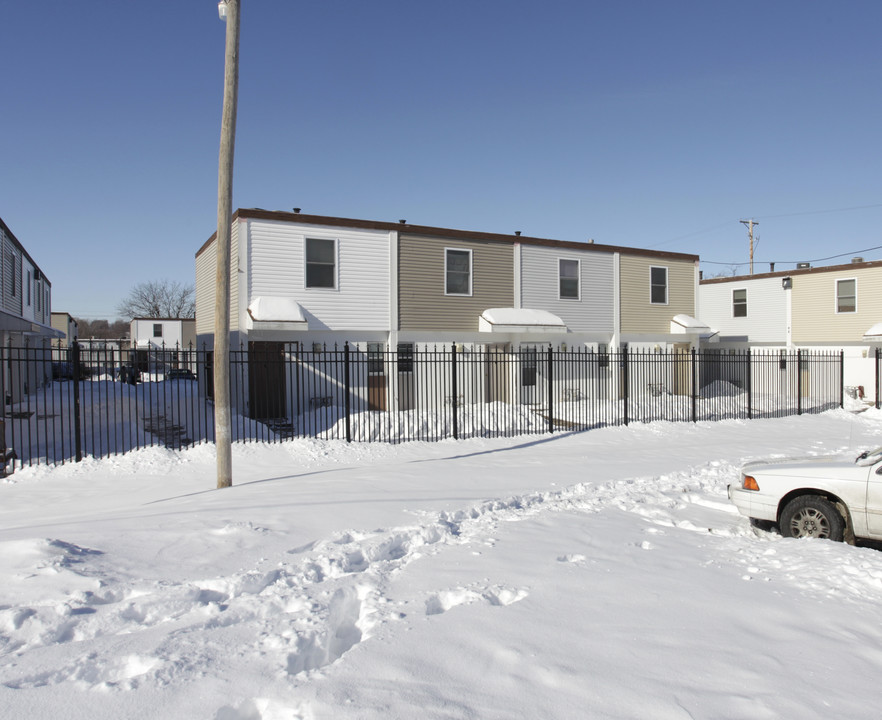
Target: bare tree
[(159, 299)]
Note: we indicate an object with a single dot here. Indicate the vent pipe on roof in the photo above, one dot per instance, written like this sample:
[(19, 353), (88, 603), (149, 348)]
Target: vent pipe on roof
[(857, 260), (771, 267), (403, 222), (297, 210), (803, 266), (590, 241), (517, 232)]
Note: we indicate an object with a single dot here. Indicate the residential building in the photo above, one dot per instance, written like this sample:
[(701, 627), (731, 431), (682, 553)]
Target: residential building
[(303, 282), (25, 316), (834, 308)]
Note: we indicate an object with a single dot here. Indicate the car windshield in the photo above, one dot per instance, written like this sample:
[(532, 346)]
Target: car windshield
[(868, 457)]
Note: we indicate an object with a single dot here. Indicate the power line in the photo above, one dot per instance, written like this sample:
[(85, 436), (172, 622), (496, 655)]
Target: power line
[(785, 262), (766, 217)]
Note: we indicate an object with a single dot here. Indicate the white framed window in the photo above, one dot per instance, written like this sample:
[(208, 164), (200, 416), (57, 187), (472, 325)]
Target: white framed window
[(739, 303), (846, 296), (568, 278), (321, 263), (376, 352), (457, 271), (658, 285)]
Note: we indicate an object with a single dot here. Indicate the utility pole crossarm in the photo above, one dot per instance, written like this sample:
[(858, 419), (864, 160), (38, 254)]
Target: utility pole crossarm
[(750, 225)]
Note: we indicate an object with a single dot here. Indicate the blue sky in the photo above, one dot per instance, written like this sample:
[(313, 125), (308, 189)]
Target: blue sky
[(644, 124)]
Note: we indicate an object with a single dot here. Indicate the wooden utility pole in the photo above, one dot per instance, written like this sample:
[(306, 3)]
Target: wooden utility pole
[(229, 11), (750, 224)]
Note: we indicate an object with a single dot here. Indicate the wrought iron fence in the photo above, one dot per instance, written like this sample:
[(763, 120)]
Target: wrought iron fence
[(61, 405)]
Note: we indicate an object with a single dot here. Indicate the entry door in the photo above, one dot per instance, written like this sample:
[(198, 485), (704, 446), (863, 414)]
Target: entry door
[(682, 369), (529, 374), (376, 377), (266, 379), (496, 379)]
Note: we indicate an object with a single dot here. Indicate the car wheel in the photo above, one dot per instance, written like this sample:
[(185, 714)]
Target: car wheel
[(812, 516)]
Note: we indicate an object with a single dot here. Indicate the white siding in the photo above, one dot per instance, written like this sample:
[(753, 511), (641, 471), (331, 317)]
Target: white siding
[(766, 320), (206, 279), (593, 311), (361, 300)]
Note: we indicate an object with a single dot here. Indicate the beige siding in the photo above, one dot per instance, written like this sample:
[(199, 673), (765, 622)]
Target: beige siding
[(638, 314), (814, 316), (423, 304), (206, 279)]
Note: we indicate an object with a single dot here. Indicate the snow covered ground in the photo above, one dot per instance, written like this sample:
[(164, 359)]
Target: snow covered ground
[(592, 575)]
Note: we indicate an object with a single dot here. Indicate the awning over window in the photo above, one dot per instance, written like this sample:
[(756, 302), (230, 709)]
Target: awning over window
[(688, 325), (874, 334), (520, 320), (276, 313)]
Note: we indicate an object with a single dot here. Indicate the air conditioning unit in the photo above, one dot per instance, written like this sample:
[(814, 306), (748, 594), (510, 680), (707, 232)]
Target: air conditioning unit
[(803, 266)]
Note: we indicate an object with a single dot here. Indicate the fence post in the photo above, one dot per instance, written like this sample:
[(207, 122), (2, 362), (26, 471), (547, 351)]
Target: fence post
[(842, 378), (749, 384), (799, 382), (694, 386), (453, 400), (550, 374), (346, 391), (78, 436), (625, 380)]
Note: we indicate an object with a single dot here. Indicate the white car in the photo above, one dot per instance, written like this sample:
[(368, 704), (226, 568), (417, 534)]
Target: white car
[(828, 497)]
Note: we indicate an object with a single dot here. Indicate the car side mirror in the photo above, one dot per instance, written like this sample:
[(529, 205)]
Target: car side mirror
[(879, 469)]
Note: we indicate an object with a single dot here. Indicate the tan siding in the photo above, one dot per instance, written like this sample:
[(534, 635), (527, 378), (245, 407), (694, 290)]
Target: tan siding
[(206, 279), (422, 302), (814, 316), (638, 314)]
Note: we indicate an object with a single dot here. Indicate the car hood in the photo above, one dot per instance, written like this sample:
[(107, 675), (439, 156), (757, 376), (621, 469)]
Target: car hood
[(824, 466)]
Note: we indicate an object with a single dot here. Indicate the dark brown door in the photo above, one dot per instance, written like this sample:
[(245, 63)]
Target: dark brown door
[(266, 379)]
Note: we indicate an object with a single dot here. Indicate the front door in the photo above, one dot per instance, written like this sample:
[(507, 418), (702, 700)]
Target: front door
[(266, 379), (496, 380), (376, 377)]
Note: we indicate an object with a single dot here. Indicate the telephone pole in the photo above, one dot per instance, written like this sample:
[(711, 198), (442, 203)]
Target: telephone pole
[(229, 12), (750, 223)]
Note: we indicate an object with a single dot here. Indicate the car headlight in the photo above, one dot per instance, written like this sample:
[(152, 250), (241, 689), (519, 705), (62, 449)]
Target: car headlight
[(748, 482)]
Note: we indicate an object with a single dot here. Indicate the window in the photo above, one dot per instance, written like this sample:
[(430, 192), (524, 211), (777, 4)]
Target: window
[(157, 330), (405, 357), (568, 274), (846, 296), (10, 258), (321, 263), (739, 303), (375, 358), (29, 288), (529, 366), (658, 285), (458, 272)]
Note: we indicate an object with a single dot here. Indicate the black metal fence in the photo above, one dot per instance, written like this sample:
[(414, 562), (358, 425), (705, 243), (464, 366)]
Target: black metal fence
[(61, 406)]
